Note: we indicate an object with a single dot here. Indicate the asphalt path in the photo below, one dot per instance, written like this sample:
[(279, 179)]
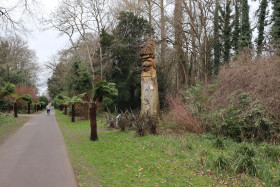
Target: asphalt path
[(36, 156)]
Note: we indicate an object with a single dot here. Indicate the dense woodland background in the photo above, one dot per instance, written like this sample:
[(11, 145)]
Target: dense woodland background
[(217, 46)]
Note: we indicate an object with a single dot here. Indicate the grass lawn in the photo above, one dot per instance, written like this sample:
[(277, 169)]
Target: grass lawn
[(124, 159), (9, 125)]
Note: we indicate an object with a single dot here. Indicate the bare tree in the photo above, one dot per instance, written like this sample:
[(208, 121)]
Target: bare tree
[(98, 11), (15, 56), (198, 33), (13, 16)]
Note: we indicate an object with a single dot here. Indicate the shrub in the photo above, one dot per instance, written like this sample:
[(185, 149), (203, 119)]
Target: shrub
[(271, 152), (142, 125), (126, 121), (183, 117), (245, 120), (245, 159), (259, 77), (219, 143), (222, 163), (146, 124)]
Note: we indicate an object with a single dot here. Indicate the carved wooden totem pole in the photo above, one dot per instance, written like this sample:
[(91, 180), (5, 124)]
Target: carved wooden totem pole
[(149, 86)]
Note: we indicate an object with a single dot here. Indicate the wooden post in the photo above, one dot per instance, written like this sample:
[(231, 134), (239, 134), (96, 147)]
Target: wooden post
[(149, 86)]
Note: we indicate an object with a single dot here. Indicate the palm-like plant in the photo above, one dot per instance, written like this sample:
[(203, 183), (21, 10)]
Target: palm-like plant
[(102, 90), (27, 98), (8, 91), (72, 101), (60, 102), (40, 105)]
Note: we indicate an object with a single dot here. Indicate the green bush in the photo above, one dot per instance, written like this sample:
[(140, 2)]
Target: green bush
[(245, 159), (219, 143), (245, 120), (196, 99), (222, 163), (271, 152)]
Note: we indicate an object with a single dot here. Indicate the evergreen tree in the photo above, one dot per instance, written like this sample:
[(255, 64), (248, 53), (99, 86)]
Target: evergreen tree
[(79, 79), (217, 42), (261, 25), (245, 39), (236, 23), (227, 31), (275, 29), (123, 50)]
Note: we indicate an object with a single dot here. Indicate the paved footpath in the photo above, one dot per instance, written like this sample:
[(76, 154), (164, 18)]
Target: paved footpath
[(36, 156)]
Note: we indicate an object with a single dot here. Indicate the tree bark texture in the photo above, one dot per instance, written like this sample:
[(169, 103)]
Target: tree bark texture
[(162, 33), (179, 53), (73, 113), (15, 110), (28, 108), (9, 106), (92, 119), (65, 110)]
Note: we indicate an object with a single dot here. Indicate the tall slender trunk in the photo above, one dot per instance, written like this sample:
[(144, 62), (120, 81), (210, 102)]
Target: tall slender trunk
[(8, 73), (73, 113), (65, 110), (92, 119), (150, 15), (9, 106), (28, 108), (179, 53), (162, 33), (15, 110), (194, 64), (261, 21)]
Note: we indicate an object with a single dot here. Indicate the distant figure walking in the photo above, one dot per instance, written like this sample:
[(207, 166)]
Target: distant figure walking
[(48, 109)]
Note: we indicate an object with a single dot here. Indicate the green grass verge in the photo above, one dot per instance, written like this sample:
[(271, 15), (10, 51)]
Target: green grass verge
[(124, 159), (9, 124)]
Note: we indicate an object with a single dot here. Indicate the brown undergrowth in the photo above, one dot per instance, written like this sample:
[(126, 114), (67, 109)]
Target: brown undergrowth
[(259, 77), (183, 117), (242, 102)]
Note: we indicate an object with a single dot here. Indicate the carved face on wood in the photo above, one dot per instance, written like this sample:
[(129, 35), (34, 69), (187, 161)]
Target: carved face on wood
[(147, 53)]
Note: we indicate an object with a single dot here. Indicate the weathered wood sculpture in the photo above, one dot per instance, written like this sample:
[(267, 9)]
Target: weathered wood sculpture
[(149, 86)]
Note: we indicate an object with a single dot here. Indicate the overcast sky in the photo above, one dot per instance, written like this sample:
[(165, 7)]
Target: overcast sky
[(45, 43)]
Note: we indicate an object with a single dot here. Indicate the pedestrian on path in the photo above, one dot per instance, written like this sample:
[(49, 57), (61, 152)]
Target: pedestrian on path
[(48, 109)]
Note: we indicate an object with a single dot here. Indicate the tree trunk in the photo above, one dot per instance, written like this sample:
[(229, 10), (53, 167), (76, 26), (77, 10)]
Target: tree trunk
[(178, 45), (162, 33), (28, 108), (92, 120), (15, 110), (150, 15), (9, 106), (65, 110), (73, 113), (8, 73)]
